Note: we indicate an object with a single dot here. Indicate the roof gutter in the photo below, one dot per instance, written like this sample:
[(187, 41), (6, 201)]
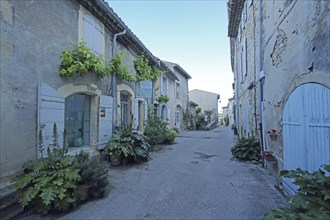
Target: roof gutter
[(113, 81)]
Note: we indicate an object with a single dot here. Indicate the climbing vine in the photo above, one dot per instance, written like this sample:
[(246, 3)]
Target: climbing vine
[(119, 69), (81, 60), (144, 71)]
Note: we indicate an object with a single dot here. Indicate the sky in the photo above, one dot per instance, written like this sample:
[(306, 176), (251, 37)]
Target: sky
[(192, 34)]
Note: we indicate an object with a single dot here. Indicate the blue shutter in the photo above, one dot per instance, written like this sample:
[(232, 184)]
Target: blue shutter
[(136, 113), (146, 89), (93, 34), (51, 106), (105, 120)]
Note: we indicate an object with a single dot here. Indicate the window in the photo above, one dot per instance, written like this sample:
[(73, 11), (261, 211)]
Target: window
[(91, 31), (124, 109), (77, 119), (177, 90), (244, 16), (177, 116), (163, 85), (243, 60), (156, 106), (163, 114)]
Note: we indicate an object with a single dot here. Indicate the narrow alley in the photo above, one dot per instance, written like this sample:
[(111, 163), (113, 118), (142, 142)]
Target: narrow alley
[(195, 178)]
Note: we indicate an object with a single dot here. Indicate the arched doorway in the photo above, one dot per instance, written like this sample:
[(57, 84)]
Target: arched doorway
[(306, 129)]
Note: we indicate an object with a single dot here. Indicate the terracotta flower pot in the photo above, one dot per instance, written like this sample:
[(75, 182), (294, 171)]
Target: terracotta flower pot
[(273, 137)]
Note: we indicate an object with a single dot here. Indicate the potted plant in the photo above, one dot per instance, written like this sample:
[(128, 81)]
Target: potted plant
[(273, 134)]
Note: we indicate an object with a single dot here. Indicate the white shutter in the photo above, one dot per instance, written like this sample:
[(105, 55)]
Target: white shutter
[(168, 115), (51, 106), (105, 120), (136, 113), (145, 111)]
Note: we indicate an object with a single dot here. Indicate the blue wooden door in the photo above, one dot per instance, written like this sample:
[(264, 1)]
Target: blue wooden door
[(306, 130)]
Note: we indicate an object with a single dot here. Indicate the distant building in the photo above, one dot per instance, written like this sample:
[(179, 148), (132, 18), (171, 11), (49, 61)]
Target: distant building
[(208, 101)]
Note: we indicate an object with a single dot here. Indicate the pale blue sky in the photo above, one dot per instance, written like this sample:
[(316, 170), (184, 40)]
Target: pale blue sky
[(190, 33)]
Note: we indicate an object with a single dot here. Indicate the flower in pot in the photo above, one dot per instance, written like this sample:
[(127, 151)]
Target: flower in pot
[(273, 134)]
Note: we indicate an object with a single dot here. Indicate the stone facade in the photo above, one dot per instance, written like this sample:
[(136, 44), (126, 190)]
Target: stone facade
[(208, 101), (180, 100), (277, 47), (33, 35)]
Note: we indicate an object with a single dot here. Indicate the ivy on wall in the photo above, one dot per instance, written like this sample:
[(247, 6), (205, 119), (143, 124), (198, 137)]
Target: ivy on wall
[(81, 60), (144, 71), (119, 69)]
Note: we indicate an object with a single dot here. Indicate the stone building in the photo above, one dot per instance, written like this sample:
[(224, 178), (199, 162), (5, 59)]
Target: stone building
[(34, 96), (180, 96), (208, 101), (279, 57)]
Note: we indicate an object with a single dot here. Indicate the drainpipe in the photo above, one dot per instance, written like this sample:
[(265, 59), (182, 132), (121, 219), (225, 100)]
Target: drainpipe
[(261, 76), (113, 82)]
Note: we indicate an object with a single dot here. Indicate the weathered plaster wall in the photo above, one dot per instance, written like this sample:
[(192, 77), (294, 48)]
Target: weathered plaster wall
[(296, 51), (33, 35), (247, 84)]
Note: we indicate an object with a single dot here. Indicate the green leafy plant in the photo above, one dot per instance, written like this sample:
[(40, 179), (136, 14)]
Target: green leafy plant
[(155, 129), (144, 71), (80, 61), (170, 135), (163, 98), (198, 110), (128, 143), (189, 120), (226, 120), (119, 69), (247, 149), (200, 121), (94, 175), (312, 201), (53, 181)]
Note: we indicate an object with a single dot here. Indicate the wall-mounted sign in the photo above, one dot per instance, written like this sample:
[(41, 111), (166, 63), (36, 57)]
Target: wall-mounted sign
[(102, 112)]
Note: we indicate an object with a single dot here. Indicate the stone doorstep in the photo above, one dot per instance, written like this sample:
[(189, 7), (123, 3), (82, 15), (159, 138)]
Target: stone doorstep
[(9, 206)]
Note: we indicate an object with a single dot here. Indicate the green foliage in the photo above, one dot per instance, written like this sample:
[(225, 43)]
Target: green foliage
[(81, 60), (226, 120), (198, 110), (94, 174), (163, 98), (128, 143), (247, 149), (52, 183), (200, 121), (119, 69), (189, 120), (170, 135), (312, 201), (144, 71), (155, 129), (234, 113)]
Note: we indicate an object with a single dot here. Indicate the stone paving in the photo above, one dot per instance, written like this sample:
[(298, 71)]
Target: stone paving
[(195, 178)]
